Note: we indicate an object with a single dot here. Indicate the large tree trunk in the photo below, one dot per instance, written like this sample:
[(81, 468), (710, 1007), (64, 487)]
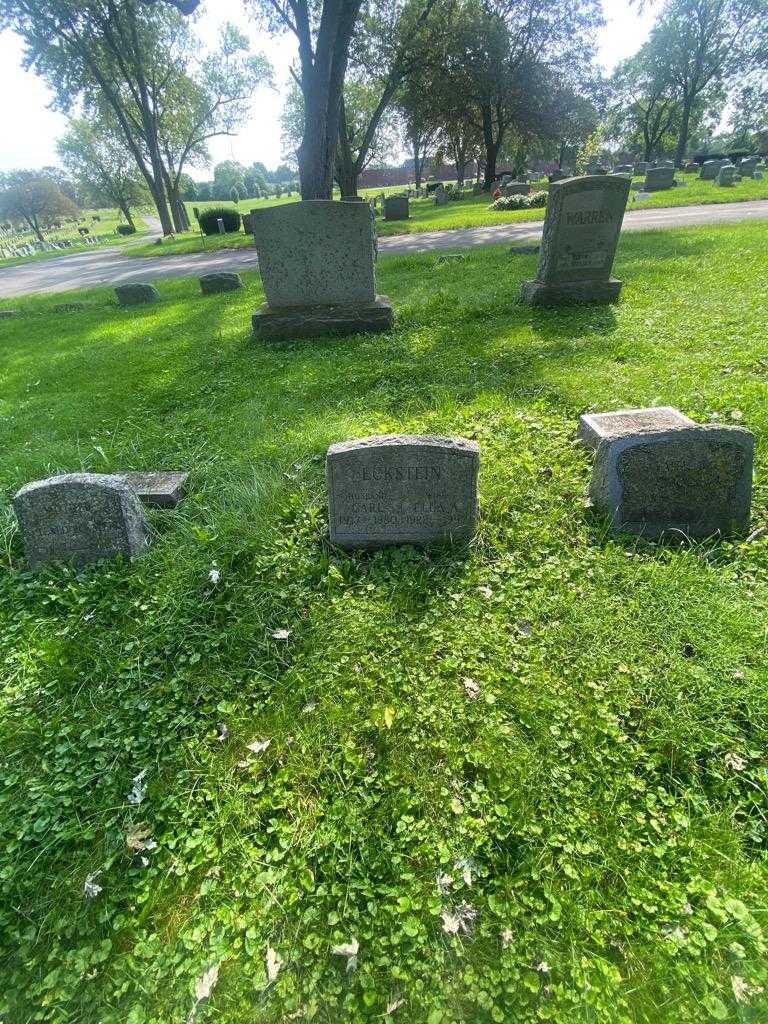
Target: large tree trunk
[(491, 143), (322, 81), (346, 165), (685, 130), (126, 212)]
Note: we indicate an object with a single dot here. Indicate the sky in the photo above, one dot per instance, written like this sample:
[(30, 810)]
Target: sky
[(29, 129)]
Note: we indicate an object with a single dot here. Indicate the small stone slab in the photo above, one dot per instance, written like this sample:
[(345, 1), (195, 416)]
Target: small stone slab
[(80, 518), (158, 489), (70, 307), (695, 481), (581, 232), (4, 313), (396, 208), (275, 324), (595, 427), (221, 281), (402, 489), (136, 294)]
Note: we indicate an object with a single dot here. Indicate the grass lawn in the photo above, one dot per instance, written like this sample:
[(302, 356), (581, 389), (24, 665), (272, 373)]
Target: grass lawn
[(464, 213), (107, 226), (597, 817)]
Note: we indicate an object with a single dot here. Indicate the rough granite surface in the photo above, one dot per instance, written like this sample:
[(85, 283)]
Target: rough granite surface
[(402, 489), (316, 252), (80, 518), (595, 427), (695, 481)]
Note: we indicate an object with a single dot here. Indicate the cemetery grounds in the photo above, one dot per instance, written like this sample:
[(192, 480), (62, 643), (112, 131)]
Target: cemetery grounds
[(105, 229), (471, 211), (519, 781)]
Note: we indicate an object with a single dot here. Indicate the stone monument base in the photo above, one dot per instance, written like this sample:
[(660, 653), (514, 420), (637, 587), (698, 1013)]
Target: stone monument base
[(276, 324), (538, 293)]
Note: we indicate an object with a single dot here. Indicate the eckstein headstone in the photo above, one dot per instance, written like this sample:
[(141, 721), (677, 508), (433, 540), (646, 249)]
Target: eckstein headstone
[(402, 489), (396, 208), (80, 518), (581, 232), (317, 261), (695, 481)]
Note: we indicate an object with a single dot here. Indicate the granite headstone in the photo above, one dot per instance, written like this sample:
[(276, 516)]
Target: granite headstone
[(402, 489), (695, 481), (658, 179), (80, 518), (581, 232), (317, 262), (396, 208)]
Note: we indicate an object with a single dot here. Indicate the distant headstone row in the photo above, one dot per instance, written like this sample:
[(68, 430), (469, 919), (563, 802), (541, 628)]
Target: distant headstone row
[(655, 473)]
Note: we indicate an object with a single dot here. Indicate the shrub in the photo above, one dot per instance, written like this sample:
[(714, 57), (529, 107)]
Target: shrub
[(125, 229), (209, 218), (534, 201)]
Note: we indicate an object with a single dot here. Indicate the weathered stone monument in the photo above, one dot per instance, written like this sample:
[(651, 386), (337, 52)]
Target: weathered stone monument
[(710, 168), (658, 179), (641, 167), (441, 196), (748, 166), (516, 188), (136, 294), (690, 480), (317, 261), (726, 176), (396, 208), (402, 489), (625, 169), (581, 232), (220, 281), (80, 518)]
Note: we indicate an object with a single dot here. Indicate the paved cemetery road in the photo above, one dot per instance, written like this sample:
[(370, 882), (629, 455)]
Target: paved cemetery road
[(110, 266)]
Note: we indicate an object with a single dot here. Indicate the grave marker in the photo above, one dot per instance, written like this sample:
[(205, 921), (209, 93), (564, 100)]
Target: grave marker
[(396, 208), (658, 179), (581, 232), (158, 489), (80, 518), (317, 262), (595, 427), (691, 480), (402, 489)]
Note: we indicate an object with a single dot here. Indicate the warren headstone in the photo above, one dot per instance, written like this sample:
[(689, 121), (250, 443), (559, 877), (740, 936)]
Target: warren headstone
[(402, 489), (80, 518), (317, 261), (658, 179), (396, 208), (695, 481), (581, 232)]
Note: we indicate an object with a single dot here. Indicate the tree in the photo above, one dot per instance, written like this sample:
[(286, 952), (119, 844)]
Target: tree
[(36, 200), (703, 44), (208, 99), (419, 122), (497, 52), (645, 107), (104, 169), (749, 111), (323, 30)]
